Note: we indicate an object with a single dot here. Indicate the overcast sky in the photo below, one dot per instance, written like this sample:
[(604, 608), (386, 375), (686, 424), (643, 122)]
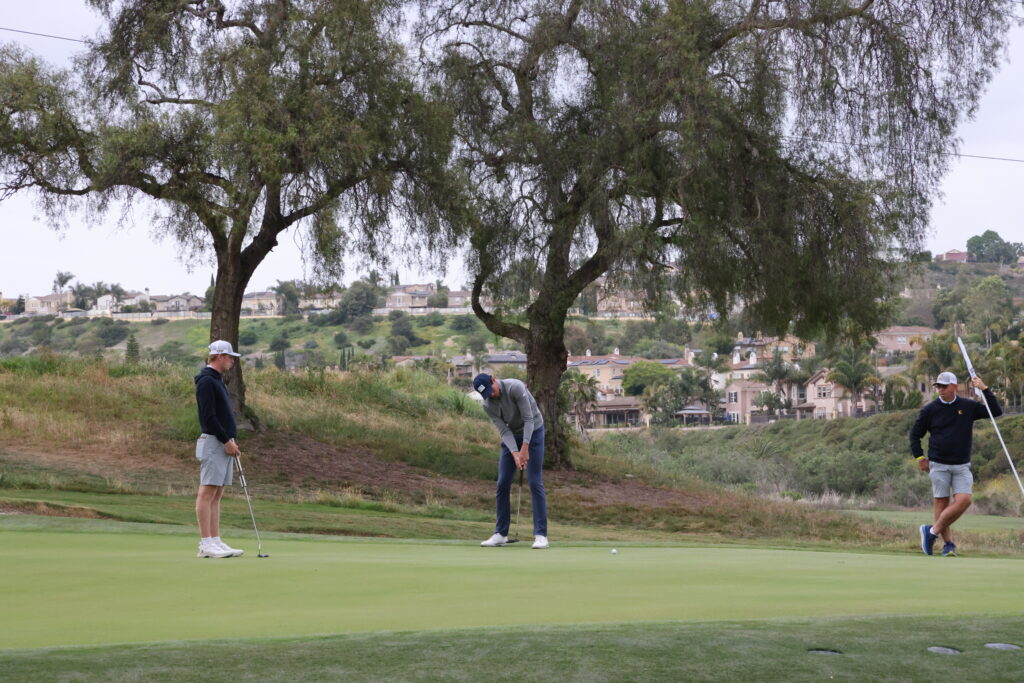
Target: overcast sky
[(978, 194)]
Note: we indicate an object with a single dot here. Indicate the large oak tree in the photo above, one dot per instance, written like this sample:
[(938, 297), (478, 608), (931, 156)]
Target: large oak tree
[(239, 120), (775, 154)]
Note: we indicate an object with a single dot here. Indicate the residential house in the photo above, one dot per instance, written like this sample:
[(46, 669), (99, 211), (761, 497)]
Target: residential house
[(956, 255), (623, 302), (620, 411), (410, 296), (496, 362), (898, 338), (133, 299), (459, 298), (463, 367), (181, 302), (320, 301), (738, 399), (789, 346), (607, 370), (830, 400), (261, 303), (104, 305), (48, 304)]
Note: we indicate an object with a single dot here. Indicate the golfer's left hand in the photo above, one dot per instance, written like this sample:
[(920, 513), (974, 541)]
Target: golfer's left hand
[(978, 384), (521, 458)]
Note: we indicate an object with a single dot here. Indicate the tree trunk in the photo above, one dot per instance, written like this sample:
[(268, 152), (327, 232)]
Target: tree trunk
[(546, 360), (232, 279)]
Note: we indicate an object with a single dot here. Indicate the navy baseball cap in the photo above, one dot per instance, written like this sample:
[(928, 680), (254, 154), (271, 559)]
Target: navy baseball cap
[(483, 384)]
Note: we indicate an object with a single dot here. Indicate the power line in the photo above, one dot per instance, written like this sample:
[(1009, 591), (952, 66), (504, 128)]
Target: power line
[(44, 35), (844, 143)]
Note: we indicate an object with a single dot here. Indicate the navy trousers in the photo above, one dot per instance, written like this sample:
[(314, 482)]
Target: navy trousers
[(534, 473)]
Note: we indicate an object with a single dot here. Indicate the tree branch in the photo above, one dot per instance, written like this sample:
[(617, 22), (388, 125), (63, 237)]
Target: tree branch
[(751, 23)]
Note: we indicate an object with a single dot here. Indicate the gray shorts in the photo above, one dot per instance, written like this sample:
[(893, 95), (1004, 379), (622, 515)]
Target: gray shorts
[(945, 477), (215, 466)]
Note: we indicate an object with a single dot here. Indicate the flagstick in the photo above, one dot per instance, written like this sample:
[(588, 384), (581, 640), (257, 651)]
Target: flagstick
[(979, 392)]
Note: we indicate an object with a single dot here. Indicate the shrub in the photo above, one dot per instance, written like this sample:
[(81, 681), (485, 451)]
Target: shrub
[(434, 319), (112, 334), (248, 337), (362, 325), (159, 321), (465, 323)]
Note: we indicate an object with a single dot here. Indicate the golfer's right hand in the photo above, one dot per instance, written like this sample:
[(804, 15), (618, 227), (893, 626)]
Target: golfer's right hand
[(922, 464), (232, 449)]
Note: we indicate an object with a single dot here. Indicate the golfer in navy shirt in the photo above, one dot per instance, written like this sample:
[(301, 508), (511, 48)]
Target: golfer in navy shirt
[(949, 420), (216, 448)]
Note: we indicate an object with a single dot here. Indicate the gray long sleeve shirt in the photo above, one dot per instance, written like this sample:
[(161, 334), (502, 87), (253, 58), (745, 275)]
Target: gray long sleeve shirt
[(514, 413)]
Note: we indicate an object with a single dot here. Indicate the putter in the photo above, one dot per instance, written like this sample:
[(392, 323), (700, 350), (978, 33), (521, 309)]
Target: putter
[(981, 395), (519, 505), (245, 487)]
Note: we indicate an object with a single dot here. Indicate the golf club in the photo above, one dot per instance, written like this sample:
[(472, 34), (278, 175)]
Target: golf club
[(519, 505), (245, 487), (970, 370)]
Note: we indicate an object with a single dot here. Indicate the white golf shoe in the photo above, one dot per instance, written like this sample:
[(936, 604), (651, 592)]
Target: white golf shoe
[(213, 550), (495, 540), (540, 542), (235, 552)]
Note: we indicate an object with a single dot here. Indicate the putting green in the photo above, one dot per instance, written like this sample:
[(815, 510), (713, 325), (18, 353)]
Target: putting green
[(62, 588)]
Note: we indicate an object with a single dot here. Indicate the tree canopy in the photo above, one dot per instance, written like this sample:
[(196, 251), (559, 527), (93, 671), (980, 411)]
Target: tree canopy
[(989, 247), (778, 155), (239, 122)]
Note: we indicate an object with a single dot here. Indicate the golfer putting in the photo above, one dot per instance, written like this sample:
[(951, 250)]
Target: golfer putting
[(514, 411), (949, 419), (216, 448)]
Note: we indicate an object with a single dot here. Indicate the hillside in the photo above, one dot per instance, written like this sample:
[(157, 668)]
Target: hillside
[(853, 461), (396, 440)]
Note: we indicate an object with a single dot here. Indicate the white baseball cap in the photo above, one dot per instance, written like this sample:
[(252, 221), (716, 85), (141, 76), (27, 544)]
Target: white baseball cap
[(221, 347), (945, 378)]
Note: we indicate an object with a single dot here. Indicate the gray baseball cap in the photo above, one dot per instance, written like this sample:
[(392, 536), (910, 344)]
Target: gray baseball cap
[(221, 347), (945, 378)]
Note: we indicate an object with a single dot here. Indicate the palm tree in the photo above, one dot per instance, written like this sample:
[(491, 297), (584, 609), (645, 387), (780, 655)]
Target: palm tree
[(59, 281), (84, 296), (117, 291), (935, 355), (777, 373), (580, 392), (855, 377)]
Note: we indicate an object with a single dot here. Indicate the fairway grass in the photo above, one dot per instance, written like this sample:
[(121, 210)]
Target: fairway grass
[(968, 522), (772, 650)]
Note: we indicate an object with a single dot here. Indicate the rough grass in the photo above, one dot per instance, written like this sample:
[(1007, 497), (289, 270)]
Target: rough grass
[(404, 415)]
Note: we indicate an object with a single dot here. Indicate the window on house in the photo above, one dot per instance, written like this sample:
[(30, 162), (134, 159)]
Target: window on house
[(824, 391), (734, 397), (901, 340)]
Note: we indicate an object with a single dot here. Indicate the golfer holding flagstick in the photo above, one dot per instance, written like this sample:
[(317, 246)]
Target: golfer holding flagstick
[(950, 421), (514, 411), (216, 448)]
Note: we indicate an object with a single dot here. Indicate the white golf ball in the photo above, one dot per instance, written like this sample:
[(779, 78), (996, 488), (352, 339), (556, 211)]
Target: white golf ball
[(614, 551)]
